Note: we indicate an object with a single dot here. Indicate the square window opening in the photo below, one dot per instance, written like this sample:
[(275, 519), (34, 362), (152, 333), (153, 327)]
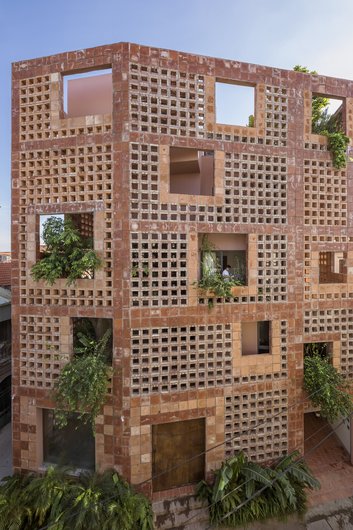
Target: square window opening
[(88, 93), (332, 267), (82, 222), (327, 114), (173, 447), (255, 337), (191, 171), (70, 236), (226, 255), (235, 104), (96, 330), (72, 446)]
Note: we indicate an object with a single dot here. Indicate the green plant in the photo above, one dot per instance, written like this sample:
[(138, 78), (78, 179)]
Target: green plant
[(83, 382), (251, 121), (95, 501), (337, 144), (238, 480), (67, 254), (328, 125), (327, 387)]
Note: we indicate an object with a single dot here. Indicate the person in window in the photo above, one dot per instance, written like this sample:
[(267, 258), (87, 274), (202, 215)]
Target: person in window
[(226, 273)]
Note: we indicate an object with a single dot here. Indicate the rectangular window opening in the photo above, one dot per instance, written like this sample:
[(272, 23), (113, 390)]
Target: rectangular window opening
[(88, 93), (191, 171), (175, 446), (72, 446), (332, 267), (235, 104), (255, 337), (323, 349), (327, 114), (224, 254)]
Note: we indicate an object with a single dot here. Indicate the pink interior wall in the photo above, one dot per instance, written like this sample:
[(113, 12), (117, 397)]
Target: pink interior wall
[(227, 241), (190, 172), (188, 183), (89, 95)]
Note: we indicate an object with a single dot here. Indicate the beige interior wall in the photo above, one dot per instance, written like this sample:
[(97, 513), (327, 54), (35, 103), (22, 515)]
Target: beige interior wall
[(249, 338), (227, 241)]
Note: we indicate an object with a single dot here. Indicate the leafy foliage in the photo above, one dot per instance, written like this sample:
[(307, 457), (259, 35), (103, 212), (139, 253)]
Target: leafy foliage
[(92, 501), (83, 382), (328, 125), (327, 387), (238, 480), (251, 121), (337, 144), (67, 254), (220, 287)]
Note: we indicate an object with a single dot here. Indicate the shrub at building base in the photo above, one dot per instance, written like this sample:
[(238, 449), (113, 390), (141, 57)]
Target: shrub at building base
[(91, 501), (327, 387), (238, 481)]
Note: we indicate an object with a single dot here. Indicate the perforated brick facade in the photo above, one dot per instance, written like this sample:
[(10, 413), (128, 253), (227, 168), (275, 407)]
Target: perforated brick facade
[(177, 357)]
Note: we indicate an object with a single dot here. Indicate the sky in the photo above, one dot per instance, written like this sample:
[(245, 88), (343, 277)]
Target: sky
[(279, 33)]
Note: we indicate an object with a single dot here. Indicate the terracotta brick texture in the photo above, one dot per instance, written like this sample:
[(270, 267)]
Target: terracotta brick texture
[(175, 357)]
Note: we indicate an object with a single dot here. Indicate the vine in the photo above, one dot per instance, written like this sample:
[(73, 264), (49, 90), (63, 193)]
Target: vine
[(328, 125)]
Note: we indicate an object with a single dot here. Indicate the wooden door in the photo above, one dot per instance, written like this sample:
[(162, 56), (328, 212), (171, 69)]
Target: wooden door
[(174, 444)]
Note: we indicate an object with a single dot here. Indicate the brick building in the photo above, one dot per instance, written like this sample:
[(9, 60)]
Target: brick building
[(138, 155)]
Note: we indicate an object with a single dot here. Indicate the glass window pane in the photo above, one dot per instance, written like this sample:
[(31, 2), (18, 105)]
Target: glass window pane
[(71, 446)]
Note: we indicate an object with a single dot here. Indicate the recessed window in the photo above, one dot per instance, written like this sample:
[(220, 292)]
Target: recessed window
[(255, 337), (93, 329), (225, 254), (71, 446), (327, 114), (332, 267), (5, 401), (323, 349), (235, 104), (65, 248), (191, 171), (88, 93), (175, 446)]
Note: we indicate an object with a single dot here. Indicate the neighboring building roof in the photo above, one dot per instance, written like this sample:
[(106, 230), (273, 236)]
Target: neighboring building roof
[(5, 273), (5, 256), (5, 296)]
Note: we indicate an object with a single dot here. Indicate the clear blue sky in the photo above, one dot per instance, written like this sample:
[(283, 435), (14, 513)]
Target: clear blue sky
[(281, 33)]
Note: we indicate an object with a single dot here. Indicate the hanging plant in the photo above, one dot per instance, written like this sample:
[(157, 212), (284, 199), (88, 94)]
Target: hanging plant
[(327, 387), (329, 125), (83, 382), (67, 254), (337, 144)]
